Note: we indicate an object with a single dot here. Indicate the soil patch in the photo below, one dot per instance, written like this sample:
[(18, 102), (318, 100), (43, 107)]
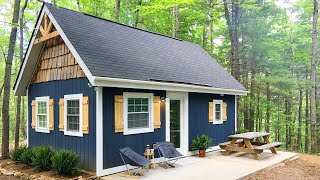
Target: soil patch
[(14, 166), (305, 167)]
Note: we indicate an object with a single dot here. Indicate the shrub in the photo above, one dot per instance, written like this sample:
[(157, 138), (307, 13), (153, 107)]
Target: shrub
[(42, 157), (16, 154), (65, 162), (27, 156), (202, 142)]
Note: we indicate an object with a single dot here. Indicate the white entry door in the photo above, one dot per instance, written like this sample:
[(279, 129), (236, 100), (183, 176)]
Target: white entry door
[(177, 120)]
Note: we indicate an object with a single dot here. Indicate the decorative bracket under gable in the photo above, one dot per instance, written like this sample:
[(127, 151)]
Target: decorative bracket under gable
[(45, 30)]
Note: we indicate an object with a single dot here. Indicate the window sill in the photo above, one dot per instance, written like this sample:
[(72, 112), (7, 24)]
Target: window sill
[(138, 131), (42, 130), (70, 133), (218, 122)]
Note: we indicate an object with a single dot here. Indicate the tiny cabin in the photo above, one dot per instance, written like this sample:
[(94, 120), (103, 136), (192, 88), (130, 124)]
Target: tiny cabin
[(94, 86)]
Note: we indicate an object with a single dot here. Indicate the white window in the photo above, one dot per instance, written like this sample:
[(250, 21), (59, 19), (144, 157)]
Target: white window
[(42, 111), (138, 113), (73, 115), (217, 109)]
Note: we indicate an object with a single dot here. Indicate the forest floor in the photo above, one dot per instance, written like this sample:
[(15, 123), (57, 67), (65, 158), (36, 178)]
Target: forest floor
[(303, 167)]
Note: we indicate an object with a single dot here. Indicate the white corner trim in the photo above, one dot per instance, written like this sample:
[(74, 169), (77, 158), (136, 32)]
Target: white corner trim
[(27, 114), (46, 100), (149, 129), (99, 131), (73, 97), (138, 84)]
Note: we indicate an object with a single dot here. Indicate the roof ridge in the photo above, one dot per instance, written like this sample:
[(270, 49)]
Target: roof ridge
[(156, 33)]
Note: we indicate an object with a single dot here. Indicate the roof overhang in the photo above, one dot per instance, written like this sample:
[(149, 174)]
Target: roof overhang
[(138, 84)]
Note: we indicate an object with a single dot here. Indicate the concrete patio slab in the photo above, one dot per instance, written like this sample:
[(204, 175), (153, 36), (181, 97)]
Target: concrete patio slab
[(214, 166)]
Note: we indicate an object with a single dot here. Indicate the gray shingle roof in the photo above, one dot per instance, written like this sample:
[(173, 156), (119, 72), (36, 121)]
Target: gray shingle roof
[(115, 50)]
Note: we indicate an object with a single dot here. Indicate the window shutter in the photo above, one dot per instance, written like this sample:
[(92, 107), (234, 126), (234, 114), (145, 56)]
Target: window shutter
[(118, 113), (51, 114), (156, 112), (85, 115), (211, 112), (224, 111), (61, 119), (33, 114)]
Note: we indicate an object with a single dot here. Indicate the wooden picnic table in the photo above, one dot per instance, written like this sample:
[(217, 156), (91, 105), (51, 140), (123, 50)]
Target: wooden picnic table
[(247, 144)]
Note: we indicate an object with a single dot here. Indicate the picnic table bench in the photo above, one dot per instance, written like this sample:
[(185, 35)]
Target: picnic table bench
[(247, 144)]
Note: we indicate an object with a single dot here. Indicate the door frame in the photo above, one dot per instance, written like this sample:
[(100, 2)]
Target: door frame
[(184, 120)]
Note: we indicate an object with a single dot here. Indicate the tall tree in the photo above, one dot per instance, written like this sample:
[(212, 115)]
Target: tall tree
[(117, 10), (7, 80), (313, 77), (18, 114), (175, 22), (298, 145)]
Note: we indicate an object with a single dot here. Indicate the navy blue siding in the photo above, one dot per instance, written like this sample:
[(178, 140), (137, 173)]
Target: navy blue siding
[(112, 141), (198, 117), (84, 146)]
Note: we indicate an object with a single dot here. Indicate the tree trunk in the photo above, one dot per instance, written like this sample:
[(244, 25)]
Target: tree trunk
[(299, 119), (267, 125), (117, 10), (252, 98), (175, 22), (313, 77), (18, 115), (246, 121), (7, 80), (306, 142), (137, 14)]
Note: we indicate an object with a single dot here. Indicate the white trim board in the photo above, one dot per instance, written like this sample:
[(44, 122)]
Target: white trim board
[(138, 84), (184, 119), (99, 131)]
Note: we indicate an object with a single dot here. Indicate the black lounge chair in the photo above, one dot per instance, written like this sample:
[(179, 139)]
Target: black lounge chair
[(135, 159), (168, 153)]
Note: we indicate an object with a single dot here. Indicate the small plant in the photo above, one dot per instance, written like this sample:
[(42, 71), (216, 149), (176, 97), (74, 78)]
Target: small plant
[(241, 130), (42, 157), (16, 154), (65, 162), (201, 143), (27, 156)]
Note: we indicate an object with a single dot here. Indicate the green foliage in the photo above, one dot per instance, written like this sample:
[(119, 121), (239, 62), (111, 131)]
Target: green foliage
[(241, 130), (42, 157), (65, 162), (27, 156), (17, 153), (202, 142)]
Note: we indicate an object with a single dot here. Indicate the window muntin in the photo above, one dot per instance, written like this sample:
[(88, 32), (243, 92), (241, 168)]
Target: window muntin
[(138, 113), (217, 109), (73, 115), (42, 114)]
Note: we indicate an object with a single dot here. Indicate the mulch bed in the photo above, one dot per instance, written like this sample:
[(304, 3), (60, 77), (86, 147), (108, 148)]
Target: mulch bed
[(304, 167), (30, 173)]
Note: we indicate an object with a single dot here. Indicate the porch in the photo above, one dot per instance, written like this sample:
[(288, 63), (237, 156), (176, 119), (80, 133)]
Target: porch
[(215, 166)]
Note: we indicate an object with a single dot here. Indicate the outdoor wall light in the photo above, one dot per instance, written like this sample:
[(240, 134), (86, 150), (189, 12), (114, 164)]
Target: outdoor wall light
[(163, 99)]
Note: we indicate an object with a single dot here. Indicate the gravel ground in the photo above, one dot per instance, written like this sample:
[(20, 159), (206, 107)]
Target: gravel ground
[(306, 167)]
